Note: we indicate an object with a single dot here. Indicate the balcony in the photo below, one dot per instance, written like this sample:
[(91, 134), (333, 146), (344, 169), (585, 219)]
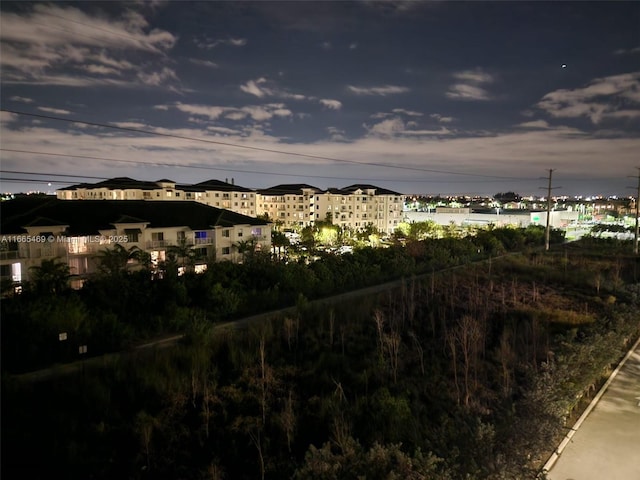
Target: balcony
[(10, 255), (159, 243), (204, 241)]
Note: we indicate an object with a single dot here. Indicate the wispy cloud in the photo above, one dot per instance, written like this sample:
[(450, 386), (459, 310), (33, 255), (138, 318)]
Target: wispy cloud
[(331, 104), (470, 85), (602, 98), (56, 111), (627, 51), (257, 113), (261, 87), (534, 124), (410, 113), (207, 43), (48, 41), (203, 63), (381, 90), (441, 118), (396, 127), (17, 98)]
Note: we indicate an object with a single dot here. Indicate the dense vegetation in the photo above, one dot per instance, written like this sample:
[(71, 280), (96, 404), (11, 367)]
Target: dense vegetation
[(118, 307), (469, 373)]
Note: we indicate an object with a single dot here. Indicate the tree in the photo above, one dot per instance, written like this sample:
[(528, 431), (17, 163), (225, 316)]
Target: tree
[(113, 261), (183, 253), (279, 240), (51, 277), (245, 247)]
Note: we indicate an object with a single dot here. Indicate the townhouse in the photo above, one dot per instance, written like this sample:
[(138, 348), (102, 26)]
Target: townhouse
[(76, 232)]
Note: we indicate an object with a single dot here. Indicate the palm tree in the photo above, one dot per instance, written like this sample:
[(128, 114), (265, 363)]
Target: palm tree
[(245, 247), (52, 276), (279, 240), (113, 261), (184, 252)]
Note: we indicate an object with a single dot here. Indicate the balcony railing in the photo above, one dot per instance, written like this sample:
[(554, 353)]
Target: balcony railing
[(204, 241), (159, 243), (10, 255)]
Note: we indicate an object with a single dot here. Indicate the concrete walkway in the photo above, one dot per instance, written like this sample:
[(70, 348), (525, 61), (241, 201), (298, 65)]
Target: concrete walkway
[(605, 442)]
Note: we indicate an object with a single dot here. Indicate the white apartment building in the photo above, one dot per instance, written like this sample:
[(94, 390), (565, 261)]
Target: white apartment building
[(291, 205), (354, 207), (77, 231), (357, 206), (214, 193)]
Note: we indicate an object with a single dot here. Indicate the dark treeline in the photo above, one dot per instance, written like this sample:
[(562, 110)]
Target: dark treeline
[(473, 373), (118, 308)]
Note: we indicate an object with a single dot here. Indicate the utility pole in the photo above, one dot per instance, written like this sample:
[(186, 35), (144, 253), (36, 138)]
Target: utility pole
[(547, 232)]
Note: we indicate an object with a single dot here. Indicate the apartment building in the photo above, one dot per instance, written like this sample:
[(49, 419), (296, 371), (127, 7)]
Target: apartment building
[(291, 205), (214, 193), (357, 206), (32, 230)]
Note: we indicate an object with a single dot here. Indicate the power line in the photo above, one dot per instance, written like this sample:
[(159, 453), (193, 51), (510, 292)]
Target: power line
[(259, 149), (235, 170)]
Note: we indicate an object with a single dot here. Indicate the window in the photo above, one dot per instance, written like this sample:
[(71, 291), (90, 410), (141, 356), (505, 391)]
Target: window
[(226, 250), (156, 236), (239, 232), (225, 233), (257, 231)]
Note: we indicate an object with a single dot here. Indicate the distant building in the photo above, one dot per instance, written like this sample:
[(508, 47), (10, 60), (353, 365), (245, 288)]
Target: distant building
[(214, 193), (497, 217), (77, 231), (293, 205)]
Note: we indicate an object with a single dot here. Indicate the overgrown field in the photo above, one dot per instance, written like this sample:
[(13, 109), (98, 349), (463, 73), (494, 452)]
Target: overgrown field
[(469, 373)]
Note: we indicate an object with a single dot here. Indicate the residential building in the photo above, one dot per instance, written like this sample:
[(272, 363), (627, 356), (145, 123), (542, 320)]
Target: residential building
[(357, 206), (214, 193), (291, 205), (77, 231)]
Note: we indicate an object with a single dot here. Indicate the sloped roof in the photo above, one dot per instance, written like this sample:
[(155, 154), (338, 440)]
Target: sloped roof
[(220, 186), (88, 218), (288, 188), (364, 186)]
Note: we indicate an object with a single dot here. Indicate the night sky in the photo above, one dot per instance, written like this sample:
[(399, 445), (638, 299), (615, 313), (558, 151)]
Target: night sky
[(421, 98)]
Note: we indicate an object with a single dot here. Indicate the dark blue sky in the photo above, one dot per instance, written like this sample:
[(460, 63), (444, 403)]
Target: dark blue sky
[(418, 97)]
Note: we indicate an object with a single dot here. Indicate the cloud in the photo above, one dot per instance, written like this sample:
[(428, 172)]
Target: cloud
[(158, 78), (203, 63), (16, 98), (396, 127), (627, 51), (601, 99), (441, 119), (470, 85), (353, 46), (207, 43), (534, 124), (40, 46), (255, 112), (406, 112), (381, 91), (56, 111), (461, 91), (575, 154), (262, 87), (326, 45), (331, 104), (337, 134)]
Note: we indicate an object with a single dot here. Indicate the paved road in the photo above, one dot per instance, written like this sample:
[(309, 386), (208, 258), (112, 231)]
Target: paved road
[(606, 446)]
